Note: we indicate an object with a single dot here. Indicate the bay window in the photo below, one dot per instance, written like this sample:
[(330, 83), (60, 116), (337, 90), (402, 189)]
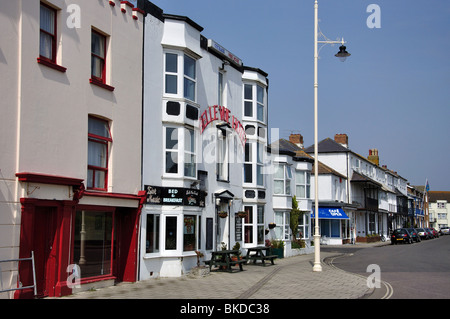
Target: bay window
[(189, 153), (189, 78), (171, 77), (248, 100), (302, 184), (152, 237), (253, 224), (248, 225), (254, 101), (303, 225), (282, 220), (180, 149), (180, 67), (171, 233), (171, 150), (259, 164), (189, 232), (260, 103), (248, 166), (260, 225), (282, 179)]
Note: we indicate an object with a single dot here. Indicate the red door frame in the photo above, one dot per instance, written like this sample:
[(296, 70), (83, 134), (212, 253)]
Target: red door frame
[(57, 262), (62, 248)]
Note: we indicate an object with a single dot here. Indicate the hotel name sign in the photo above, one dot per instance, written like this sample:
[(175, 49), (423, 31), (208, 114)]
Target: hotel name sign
[(222, 114)]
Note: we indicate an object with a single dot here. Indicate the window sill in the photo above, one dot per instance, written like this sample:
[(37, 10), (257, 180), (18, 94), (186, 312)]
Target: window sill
[(101, 84), (51, 64)]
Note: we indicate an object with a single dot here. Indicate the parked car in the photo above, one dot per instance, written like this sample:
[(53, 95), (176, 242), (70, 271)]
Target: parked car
[(430, 233), (423, 233), (414, 234), (401, 235), (434, 232), (445, 230)]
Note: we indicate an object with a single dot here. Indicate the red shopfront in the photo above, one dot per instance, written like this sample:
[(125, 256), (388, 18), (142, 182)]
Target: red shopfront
[(100, 239)]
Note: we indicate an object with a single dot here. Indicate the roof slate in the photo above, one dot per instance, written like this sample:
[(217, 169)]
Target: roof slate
[(439, 195), (328, 145)]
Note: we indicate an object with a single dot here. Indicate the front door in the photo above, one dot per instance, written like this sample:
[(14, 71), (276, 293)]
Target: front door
[(44, 252)]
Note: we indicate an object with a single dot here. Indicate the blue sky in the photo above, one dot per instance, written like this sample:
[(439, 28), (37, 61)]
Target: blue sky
[(392, 94)]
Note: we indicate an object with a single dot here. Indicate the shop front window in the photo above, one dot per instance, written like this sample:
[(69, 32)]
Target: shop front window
[(171, 233), (248, 225), (93, 242), (152, 238), (189, 232), (260, 224)]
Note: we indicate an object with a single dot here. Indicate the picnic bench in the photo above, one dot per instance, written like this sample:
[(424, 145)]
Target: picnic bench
[(260, 253), (222, 259)]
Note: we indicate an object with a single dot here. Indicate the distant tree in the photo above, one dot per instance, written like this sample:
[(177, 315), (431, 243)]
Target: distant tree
[(295, 215)]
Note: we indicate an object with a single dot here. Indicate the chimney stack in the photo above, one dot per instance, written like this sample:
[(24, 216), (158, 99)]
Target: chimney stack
[(297, 139), (341, 139), (373, 156)]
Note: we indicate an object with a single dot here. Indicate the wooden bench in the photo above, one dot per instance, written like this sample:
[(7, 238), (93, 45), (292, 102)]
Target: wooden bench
[(222, 259), (240, 262), (257, 253), (271, 258)]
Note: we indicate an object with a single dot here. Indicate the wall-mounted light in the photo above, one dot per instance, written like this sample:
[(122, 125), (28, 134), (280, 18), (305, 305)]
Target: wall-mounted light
[(224, 62)]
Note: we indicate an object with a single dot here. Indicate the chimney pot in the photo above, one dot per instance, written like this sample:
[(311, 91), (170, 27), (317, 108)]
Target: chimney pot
[(373, 156), (341, 139), (297, 139)]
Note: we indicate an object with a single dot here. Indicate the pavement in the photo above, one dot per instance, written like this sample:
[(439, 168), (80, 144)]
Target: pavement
[(289, 278)]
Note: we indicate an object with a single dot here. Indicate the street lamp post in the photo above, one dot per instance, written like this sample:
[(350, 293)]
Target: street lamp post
[(342, 55)]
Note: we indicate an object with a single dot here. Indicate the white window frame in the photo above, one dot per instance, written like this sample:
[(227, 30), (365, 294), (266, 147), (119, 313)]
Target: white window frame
[(189, 78), (181, 152), (181, 76), (190, 153), (306, 184), (286, 179), (259, 164), (282, 221), (260, 103)]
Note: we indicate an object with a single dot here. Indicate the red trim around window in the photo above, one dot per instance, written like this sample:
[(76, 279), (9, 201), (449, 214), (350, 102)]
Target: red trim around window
[(53, 59), (48, 179), (105, 140), (99, 83), (51, 64)]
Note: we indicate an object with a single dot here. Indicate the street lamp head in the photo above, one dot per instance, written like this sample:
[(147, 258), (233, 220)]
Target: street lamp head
[(342, 54)]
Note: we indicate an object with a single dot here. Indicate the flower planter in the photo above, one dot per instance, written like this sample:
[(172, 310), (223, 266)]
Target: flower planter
[(242, 214), (272, 225), (278, 251), (223, 214), (370, 239)]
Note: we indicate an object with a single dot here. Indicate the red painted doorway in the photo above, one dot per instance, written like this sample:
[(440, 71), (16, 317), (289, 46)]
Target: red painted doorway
[(45, 250)]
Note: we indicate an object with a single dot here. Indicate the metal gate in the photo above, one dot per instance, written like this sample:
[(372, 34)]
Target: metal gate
[(20, 284)]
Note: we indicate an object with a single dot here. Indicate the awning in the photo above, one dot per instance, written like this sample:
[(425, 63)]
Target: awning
[(331, 213)]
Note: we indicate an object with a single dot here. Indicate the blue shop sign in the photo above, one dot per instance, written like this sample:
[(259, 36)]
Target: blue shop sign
[(331, 213)]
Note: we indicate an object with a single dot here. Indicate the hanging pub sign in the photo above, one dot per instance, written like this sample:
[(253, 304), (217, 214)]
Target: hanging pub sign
[(158, 195), (223, 114)]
